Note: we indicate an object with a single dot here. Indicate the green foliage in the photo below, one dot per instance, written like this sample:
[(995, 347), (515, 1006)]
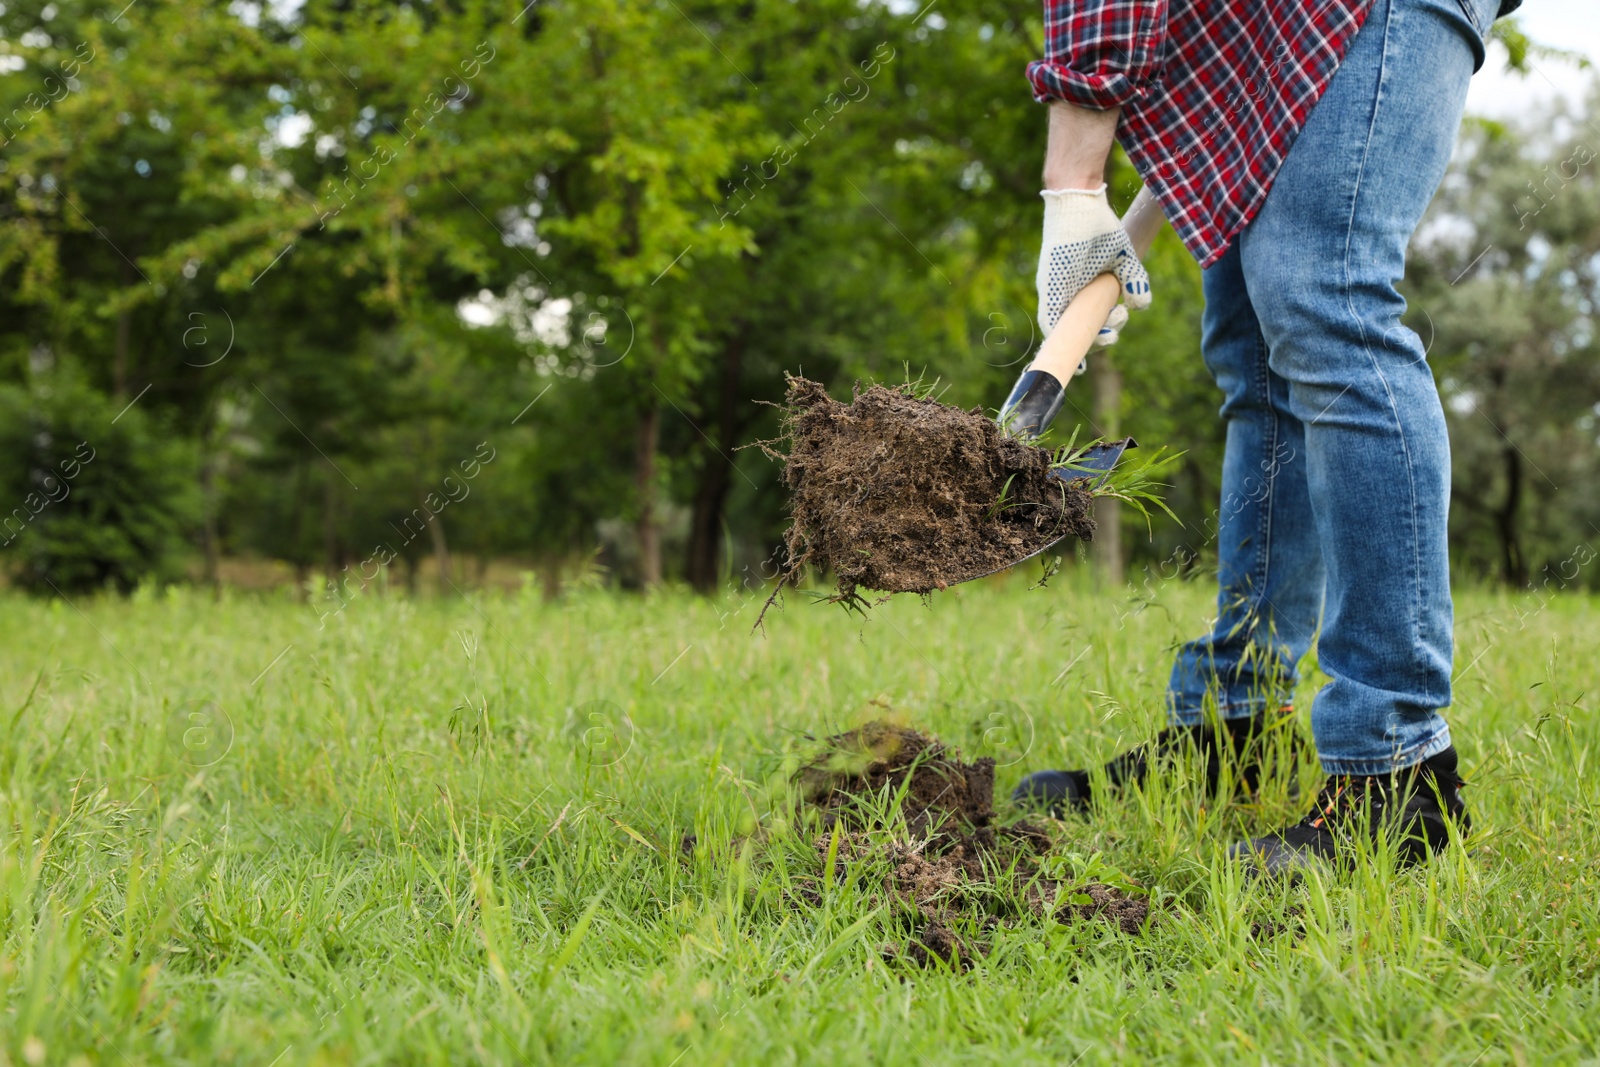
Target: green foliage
[(334, 247), (98, 499), (1135, 480), (1520, 48)]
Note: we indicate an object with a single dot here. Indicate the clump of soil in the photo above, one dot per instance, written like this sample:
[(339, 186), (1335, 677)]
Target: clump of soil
[(902, 494), (954, 867), (943, 796)]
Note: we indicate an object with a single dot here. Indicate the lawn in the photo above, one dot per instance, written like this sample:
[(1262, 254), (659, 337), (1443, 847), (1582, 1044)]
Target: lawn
[(453, 830)]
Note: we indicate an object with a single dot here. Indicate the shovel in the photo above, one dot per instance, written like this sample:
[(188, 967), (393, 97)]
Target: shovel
[(1041, 390)]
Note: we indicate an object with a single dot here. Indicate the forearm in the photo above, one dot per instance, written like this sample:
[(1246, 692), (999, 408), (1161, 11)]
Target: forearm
[(1079, 143)]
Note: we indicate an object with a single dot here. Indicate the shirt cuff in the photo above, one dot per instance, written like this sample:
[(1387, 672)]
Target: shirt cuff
[(1098, 92)]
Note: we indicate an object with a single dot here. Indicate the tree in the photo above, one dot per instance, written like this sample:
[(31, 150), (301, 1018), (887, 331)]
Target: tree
[(1504, 283), (98, 497), (330, 252)]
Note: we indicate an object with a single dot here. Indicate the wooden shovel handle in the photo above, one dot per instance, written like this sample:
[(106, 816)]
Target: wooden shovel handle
[(1069, 342)]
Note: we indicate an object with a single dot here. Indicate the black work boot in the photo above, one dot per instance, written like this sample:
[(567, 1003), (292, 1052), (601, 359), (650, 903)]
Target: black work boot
[(1413, 807), (1058, 792)]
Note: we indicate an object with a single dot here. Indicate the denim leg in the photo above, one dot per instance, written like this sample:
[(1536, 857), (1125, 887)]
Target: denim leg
[(1320, 262), (1269, 564)]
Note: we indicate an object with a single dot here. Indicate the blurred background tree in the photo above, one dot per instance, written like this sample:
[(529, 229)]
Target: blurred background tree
[(1504, 288), (100, 500), (293, 270)]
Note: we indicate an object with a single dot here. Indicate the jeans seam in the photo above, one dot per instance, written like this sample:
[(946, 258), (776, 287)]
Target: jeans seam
[(1472, 17), (1264, 377), (1260, 565)]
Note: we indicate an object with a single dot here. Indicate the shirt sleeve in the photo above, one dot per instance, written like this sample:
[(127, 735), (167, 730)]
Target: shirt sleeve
[(1099, 53)]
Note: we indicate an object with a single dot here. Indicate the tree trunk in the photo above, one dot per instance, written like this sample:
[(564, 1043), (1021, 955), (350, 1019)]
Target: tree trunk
[(208, 526), (550, 577), (1107, 546), (330, 527), (716, 476), (441, 551), (705, 527), (644, 474), (1513, 566), (302, 568)]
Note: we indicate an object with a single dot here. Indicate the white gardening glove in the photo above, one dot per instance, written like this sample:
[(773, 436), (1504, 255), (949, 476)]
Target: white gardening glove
[(1083, 239)]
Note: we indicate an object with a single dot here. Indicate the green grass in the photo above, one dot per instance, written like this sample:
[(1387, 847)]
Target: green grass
[(414, 850)]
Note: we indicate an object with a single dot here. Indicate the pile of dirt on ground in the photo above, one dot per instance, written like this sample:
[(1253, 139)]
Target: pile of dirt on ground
[(955, 873), (902, 494)]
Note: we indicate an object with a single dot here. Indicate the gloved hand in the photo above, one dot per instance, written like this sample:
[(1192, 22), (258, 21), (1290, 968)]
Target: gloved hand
[(1084, 239)]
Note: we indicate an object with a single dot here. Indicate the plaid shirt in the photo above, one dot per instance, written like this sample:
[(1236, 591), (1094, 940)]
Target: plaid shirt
[(1213, 93)]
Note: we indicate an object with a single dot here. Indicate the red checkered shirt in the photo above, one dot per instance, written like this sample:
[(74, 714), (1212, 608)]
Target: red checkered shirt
[(1213, 93)]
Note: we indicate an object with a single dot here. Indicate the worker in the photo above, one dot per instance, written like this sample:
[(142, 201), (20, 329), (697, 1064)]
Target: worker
[(1294, 147)]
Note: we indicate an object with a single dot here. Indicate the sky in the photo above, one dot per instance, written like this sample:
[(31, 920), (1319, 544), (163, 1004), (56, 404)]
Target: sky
[(1573, 25)]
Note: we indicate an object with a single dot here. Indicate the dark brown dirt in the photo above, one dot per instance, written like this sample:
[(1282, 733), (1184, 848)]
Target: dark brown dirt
[(950, 865), (945, 796), (905, 495), (1292, 923)]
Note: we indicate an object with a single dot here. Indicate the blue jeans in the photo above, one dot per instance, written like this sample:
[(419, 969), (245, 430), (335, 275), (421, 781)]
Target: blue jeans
[(1336, 474)]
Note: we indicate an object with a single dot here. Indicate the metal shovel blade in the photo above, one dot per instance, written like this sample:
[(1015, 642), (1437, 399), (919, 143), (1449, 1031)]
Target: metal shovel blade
[(1095, 463)]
